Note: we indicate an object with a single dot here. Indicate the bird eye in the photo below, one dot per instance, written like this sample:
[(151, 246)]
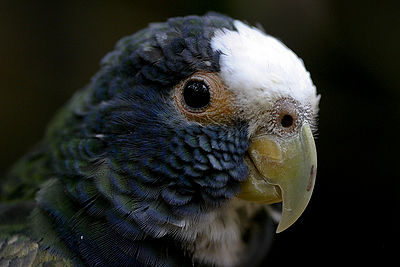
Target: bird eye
[(196, 95), (203, 97)]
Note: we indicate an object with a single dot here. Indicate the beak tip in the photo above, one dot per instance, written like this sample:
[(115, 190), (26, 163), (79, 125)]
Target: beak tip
[(283, 225)]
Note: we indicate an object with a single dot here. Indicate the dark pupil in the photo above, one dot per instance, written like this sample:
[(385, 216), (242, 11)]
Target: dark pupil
[(287, 121), (196, 94)]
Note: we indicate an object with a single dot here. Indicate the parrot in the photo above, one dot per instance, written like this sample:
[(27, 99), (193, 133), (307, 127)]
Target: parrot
[(176, 153)]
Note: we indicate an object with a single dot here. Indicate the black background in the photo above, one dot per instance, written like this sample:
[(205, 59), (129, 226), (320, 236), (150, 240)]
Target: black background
[(49, 49)]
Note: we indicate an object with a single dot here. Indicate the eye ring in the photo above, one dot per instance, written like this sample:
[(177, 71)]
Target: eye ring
[(218, 108)]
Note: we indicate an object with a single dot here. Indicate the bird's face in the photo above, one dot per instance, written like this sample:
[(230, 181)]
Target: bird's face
[(190, 114), (265, 85)]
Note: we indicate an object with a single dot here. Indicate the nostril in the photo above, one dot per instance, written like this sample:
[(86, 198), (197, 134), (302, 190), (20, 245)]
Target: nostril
[(287, 121)]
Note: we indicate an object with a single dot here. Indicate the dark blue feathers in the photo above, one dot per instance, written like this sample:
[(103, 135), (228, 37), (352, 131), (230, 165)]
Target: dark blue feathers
[(127, 163)]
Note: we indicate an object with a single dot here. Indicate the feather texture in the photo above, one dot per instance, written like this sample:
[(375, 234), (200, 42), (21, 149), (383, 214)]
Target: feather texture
[(125, 179)]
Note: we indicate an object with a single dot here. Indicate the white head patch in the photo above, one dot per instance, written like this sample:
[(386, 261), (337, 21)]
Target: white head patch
[(259, 69)]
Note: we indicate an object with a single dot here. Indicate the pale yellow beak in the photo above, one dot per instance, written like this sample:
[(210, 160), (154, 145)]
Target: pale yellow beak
[(282, 170)]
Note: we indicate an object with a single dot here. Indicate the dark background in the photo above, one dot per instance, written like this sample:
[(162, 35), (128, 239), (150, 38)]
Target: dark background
[(49, 49)]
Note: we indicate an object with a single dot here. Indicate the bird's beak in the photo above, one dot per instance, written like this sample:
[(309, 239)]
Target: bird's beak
[(282, 170)]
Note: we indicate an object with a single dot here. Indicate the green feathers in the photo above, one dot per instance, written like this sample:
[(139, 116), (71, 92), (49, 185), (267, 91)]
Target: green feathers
[(25, 177), (20, 251)]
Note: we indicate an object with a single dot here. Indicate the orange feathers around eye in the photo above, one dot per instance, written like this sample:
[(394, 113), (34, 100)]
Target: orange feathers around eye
[(204, 98)]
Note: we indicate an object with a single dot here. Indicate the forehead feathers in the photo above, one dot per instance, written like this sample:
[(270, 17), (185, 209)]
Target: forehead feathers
[(164, 53), (259, 68)]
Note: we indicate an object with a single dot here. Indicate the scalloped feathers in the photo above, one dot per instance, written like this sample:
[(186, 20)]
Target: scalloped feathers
[(131, 180)]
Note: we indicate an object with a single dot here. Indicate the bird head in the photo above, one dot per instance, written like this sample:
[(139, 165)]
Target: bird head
[(185, 116)]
